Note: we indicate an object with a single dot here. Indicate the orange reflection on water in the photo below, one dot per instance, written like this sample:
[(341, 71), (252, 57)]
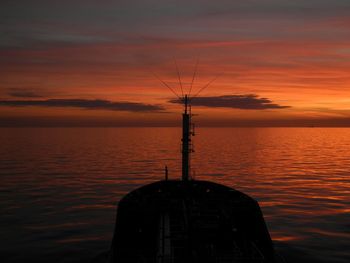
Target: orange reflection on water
[(300, 176), (284, 238)]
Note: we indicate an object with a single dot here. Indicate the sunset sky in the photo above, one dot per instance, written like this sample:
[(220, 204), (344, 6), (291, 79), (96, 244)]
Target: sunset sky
[(284, 63)]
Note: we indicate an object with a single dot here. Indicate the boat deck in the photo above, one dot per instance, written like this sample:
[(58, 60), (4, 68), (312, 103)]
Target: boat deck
[(190, 221)]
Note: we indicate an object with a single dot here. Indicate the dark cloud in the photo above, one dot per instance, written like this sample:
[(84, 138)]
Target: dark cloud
[(24, 94), (247, 102), (86, 104)]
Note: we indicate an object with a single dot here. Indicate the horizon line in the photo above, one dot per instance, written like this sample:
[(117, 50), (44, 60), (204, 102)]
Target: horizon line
[(167, 126)]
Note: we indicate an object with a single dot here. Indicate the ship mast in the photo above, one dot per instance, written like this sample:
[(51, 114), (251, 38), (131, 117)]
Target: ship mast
[(187, 125), (186, 139)]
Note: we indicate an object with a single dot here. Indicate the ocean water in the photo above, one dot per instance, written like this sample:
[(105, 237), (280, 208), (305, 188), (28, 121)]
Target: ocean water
[(60, 186)]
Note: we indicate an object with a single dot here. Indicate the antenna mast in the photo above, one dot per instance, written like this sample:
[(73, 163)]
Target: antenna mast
[(187, 125), (186, 139)]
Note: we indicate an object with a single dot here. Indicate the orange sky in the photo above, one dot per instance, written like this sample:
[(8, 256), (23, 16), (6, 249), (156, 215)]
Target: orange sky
[(295, 55)]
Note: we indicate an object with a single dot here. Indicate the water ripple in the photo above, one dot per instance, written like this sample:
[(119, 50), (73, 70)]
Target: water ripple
[(60, 186)]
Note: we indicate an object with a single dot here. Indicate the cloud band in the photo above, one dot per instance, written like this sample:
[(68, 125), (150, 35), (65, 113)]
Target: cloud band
[(246, 102), (86, 104)]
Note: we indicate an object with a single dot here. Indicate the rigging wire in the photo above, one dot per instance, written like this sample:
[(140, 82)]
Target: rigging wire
[(194, 75), (192, 82), (166, 85), (179, 77), (206, 86)]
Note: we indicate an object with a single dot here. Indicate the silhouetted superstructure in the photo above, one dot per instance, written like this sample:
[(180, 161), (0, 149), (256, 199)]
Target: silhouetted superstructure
[(189, 221)]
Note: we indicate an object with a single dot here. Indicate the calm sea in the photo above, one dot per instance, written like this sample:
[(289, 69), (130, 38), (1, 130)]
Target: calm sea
[(60, 186)]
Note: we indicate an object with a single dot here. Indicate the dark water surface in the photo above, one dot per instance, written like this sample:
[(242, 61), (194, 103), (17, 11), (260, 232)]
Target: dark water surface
[(60, 186)]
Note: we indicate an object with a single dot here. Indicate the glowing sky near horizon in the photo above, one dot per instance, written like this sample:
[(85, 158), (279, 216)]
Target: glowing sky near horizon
[(295, 54)]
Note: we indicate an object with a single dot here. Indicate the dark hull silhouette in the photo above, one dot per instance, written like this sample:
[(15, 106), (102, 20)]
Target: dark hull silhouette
[(190, 221)]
